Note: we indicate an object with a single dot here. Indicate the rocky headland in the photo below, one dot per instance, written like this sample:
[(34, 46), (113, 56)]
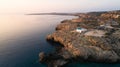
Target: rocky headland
[(92, 37)]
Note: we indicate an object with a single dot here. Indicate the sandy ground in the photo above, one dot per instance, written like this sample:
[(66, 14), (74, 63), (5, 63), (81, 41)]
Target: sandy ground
[(97, 33)]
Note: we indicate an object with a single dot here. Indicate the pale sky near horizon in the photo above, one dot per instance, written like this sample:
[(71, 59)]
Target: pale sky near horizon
[(27, 6)]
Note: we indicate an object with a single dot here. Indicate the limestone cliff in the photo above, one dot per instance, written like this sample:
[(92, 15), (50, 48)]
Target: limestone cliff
[(79, 47)]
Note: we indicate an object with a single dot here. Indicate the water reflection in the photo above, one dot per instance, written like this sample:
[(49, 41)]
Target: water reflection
[(22, 37)]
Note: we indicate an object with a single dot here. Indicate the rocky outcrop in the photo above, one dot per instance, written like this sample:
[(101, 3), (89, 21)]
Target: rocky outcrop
[(82, 48)]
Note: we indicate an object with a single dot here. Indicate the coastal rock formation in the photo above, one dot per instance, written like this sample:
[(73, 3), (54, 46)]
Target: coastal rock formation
[(79, 47)]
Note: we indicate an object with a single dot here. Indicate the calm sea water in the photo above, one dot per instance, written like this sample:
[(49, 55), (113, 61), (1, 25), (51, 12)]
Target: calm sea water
[(22, 37)]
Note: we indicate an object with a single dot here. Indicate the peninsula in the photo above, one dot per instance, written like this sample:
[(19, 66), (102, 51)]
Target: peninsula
[(92, 37), (54, 13)]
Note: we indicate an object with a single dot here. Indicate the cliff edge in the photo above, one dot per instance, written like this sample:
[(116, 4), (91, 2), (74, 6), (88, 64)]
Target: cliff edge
[(93, 37)]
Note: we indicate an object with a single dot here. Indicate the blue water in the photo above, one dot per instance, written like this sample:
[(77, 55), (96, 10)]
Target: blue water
[(23, 37)]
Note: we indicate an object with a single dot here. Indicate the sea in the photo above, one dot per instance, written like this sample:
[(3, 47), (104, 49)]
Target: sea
[(23, 37)]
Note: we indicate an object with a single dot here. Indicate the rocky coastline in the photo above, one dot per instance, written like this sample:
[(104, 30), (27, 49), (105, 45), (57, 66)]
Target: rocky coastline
[(99, 43)]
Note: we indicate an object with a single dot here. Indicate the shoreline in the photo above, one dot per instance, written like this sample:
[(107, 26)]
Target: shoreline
[(99, 43), (66, 14)]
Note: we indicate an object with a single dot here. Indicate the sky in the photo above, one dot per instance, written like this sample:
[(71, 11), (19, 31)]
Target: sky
[(27, 6)]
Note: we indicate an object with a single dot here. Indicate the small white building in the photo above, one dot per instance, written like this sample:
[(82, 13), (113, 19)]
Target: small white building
[(80, 30)]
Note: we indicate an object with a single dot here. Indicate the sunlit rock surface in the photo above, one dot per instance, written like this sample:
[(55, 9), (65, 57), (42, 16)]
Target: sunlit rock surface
[(97, 44)]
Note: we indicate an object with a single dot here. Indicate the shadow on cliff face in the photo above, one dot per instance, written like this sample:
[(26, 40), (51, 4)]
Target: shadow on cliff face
[(55, 44), (55, 58)]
